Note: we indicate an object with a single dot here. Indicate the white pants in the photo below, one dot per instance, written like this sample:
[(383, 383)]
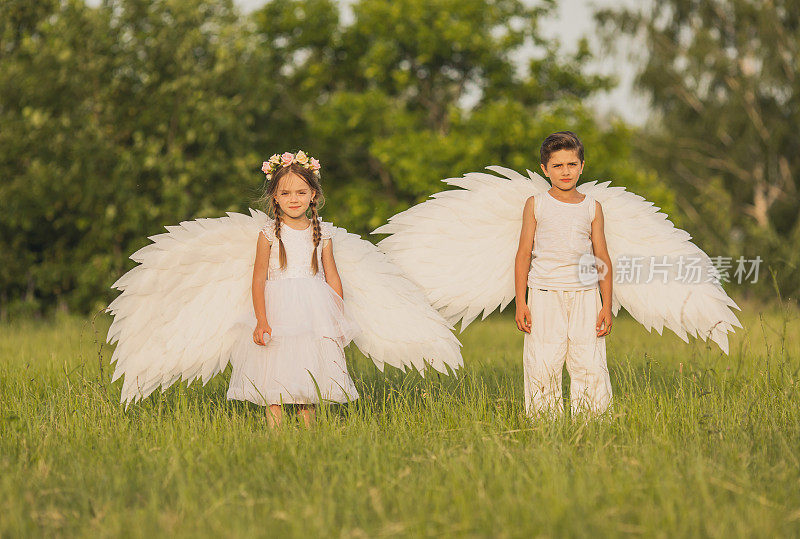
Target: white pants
[(563, 330)]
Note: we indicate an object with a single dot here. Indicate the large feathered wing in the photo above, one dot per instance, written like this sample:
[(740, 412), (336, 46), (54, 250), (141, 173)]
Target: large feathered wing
[(661, 277), (178, 310), (398, 325), (459, 246), (181, 309)]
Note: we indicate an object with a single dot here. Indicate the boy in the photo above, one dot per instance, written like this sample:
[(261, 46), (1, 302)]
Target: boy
[(564, 319)]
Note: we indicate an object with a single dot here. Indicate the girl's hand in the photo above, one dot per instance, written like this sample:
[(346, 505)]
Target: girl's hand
[(523, 318), (604, 322), (258, 334)]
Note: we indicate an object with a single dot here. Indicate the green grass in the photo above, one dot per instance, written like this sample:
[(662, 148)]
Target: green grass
[(699, 444)]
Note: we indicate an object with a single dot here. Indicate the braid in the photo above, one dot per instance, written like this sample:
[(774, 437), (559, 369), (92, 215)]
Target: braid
[(317, 236), (281, 249)]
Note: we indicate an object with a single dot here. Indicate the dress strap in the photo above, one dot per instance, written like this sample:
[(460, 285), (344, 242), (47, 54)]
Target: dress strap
[(326, 229), (268, 230)]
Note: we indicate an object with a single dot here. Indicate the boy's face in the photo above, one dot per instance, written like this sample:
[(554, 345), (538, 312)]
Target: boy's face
[(563, 169)]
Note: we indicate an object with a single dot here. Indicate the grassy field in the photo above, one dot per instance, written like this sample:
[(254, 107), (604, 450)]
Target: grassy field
[(699, 444)]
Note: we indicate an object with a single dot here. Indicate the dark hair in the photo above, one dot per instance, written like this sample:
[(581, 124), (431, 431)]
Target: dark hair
[(562, 140), (268, 198)]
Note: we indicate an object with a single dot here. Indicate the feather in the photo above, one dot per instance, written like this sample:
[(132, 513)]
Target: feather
[(399, 327), (459, 247)]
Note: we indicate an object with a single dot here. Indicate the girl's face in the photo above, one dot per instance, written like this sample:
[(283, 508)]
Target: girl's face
[(563, 169), (293, 195)]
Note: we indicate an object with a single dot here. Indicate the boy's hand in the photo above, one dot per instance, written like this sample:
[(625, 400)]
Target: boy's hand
[(523, 318), (604, 322), (258, 334)]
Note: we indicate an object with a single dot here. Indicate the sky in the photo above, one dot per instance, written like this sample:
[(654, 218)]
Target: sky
[(574, 20)]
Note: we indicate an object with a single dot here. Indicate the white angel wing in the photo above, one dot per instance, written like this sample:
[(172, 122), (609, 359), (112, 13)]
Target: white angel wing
[(460, 246), (649, 254), (398, 325), (175, 316), (181, 309)]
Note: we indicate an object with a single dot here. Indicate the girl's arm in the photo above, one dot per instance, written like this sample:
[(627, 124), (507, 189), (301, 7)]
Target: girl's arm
[(260, 269), (606, 274), (329, 265), (522, 265)]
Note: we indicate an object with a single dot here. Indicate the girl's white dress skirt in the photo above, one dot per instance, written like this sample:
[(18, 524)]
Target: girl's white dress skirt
[(303, 361)]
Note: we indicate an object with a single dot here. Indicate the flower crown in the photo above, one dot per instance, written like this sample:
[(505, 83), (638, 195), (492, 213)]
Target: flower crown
[(284, 160)]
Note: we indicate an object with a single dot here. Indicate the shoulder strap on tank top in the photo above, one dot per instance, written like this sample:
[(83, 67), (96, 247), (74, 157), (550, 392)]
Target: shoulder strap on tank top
[(537, 204), (592, 207)]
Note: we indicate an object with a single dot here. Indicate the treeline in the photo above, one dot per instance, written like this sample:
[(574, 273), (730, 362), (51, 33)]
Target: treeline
[(722, 77), (119, 119)]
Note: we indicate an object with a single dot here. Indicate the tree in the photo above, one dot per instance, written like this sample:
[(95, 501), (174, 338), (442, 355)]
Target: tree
[(120, 119), (417, 91), (722, 78), (116, 121)]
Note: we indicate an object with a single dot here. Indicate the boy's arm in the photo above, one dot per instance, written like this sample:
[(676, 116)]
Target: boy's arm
[(329, 265), (522, 265), (606, 275)]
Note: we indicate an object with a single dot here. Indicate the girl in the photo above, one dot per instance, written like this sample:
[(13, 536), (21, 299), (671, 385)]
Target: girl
[(191, 305), (297, 299)]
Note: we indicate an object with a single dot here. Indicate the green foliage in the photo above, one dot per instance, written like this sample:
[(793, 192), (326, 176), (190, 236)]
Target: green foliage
[(699, 444), (423, 91), (118, 120), (722, 76), (121, 119)]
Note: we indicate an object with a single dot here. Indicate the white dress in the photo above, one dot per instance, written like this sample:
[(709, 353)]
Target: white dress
[(303, 361)]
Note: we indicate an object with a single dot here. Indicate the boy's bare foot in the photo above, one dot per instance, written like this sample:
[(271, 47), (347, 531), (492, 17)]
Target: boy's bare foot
[(274, 415), (307, 414)]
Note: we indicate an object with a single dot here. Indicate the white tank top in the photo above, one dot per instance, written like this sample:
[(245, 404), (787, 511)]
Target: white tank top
[(563, 235)]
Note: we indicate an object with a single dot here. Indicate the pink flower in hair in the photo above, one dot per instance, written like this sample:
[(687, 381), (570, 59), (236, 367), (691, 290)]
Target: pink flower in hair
[(301, 158)]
